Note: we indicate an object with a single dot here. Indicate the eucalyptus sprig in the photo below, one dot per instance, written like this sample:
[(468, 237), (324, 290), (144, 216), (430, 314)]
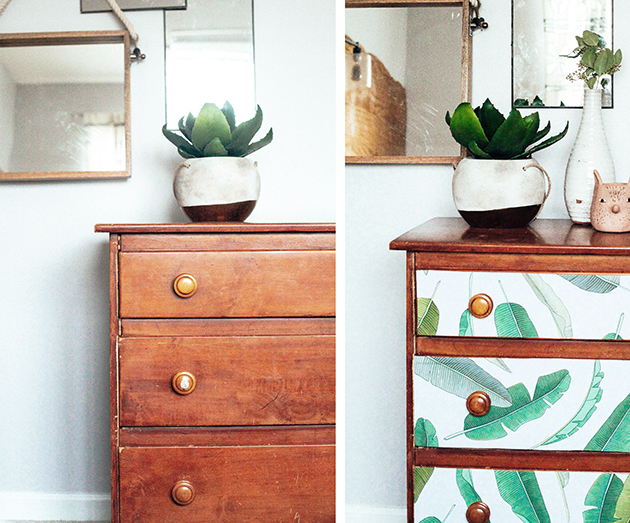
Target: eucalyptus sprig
[(597, 62)]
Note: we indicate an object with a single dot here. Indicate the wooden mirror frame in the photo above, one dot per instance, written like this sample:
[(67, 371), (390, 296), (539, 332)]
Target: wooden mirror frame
[(77, 38), (466, 84)]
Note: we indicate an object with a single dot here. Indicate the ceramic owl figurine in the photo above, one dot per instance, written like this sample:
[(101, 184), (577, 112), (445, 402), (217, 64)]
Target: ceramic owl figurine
[(610, 211)]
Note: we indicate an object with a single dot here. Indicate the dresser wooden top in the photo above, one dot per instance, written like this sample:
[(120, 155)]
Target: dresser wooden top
[(453, 235), (213, 227)]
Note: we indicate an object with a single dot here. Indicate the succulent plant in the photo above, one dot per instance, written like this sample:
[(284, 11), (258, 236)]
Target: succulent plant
[(214, 133), (487, 134), (597, 62)]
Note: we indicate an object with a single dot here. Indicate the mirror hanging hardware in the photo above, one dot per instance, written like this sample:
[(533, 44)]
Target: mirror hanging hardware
[(137, 55), (476, 21), (356, 54)]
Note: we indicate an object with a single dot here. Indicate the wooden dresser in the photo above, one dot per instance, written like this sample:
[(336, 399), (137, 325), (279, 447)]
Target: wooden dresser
[(222, 373), (517, 373)]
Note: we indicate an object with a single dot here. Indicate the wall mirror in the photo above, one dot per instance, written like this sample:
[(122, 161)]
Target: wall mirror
[(543, 31), (210, 58), (64, 109), (407, 64)]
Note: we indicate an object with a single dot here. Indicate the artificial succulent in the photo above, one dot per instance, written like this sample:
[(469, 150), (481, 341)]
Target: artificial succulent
[(487, 134), (213, 132)]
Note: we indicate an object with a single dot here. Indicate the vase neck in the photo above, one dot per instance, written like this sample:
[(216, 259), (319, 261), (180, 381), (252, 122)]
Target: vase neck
[(592, 98)]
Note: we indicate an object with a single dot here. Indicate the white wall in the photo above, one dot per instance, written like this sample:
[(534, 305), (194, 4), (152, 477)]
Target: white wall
[(383, 202), (54, 419)]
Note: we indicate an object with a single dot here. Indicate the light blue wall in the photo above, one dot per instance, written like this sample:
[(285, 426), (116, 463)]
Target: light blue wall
[(382, 202), (54, 419)]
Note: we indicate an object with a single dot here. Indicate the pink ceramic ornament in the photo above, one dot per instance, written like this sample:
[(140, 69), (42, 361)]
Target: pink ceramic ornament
[(610, 210)]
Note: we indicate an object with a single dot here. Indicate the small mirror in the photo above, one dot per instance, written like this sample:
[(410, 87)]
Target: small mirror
[(64, 108), (209, 58), (544, 31), (405, 68)]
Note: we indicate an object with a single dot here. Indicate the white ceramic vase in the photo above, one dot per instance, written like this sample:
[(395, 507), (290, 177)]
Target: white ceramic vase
[(499, 193), (217, 189), (590, 151)]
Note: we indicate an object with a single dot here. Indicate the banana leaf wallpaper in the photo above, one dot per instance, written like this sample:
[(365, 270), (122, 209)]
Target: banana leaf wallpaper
[(545, 404)]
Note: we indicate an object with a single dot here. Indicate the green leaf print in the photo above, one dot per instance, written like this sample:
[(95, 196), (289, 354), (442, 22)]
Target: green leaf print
[(622, 510), (614, 434), (431, 519), (421, 476), (461, 377), (425, 434), (521, 491), (549, 389), (550, 299), (593, 282), (615, 335), (512, 321), (603, 496), (466, 487), (466, 324), (428, 315), (585, 412)]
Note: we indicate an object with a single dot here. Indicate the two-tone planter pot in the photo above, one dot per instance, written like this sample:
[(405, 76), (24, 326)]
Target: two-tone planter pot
[(499, 193), (217, 189)]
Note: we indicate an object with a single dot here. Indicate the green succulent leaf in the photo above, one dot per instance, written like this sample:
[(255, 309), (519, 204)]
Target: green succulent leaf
[(509, 139), (477, 152), (185, 154), (210, 124), (215, 148), (243, 134), (466, 127), (543, 145), (183, 145), (490, 118), (260, 143), (228, 112), (542, 133), (532, 122)]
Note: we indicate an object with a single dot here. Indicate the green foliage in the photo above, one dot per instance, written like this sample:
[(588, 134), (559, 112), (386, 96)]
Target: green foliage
[(550, 299), (424, 436), (585, 411), (521, 491), (593, 282), (512, 321), (464, 480), (603, 497), (428, 315), (461, 377), (614, 434), (487, 134), (597, 62), (421, 476), (213, 132), (549, 389)]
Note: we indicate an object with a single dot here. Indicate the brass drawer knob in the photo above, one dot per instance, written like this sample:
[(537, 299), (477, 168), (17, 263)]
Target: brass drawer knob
[(183, 493), (183, 383), (478, 512), (480, 305), (478, 403), (185, 285)]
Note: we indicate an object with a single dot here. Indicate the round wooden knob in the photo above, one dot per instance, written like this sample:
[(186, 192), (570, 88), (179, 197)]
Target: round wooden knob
[(184, 383), (183, 493), (478, 403), (480, 305), (185, 285), (478, 512)]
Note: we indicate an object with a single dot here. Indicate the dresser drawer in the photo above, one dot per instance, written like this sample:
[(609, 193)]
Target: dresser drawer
[(486, 304), (248, 380), (279, 484), (227, 284), (531, 497), (546, 404)]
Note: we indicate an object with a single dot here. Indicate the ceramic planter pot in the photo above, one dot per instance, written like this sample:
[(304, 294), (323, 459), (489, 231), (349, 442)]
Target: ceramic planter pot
[(501, 194), (217, 189)]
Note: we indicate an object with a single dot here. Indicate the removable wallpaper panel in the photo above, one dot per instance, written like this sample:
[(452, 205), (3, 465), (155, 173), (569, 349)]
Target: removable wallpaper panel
[(529, 497), (544, 404)]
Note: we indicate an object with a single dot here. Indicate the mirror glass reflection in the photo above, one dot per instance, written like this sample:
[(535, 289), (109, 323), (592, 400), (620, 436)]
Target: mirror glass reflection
[(543, 31), (62, 109), (410, 75), (209, 58)]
